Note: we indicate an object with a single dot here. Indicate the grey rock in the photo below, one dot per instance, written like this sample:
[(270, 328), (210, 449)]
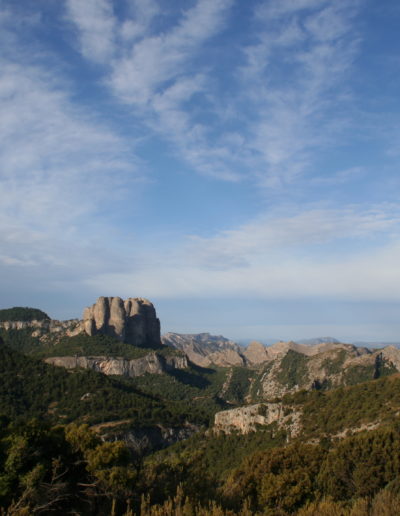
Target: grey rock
[(256, 353), (133, 321), (248, 418), (204, 349), (153, 363), (46, 327)]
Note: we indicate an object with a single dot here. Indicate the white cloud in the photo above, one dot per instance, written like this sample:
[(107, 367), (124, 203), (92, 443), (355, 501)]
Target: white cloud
[(283, 117), (285, 7), (314, 226), (330, 253), (61, 169), (156, 59), (297, 114), (96, 27), (143, 12), (375, 277)]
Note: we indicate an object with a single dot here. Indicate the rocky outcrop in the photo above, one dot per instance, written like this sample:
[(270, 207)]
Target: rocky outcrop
[(324, 366), (391, 354), (256, 353), (153, 363), (204, 349), (281, 348), (45, 327), (133, 321), (249, 418)]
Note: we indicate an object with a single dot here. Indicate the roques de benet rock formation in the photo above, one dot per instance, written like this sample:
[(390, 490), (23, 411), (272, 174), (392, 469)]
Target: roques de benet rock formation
[(133, 321)]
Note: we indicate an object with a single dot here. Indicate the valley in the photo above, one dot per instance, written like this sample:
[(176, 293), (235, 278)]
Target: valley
[(191, 414)]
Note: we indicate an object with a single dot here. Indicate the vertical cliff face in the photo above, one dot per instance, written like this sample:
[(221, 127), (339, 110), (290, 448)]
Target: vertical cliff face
[(133, 321)]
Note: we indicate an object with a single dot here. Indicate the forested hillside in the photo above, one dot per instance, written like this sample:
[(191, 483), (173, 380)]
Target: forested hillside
[(77, 440)]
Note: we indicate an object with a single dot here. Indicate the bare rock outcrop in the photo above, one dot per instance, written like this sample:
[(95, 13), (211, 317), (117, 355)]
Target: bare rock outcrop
[(45, 327), (256, 353), (153, 363), (133, 321), (249, 418), (392, 354), (204, 349), (323, 366)]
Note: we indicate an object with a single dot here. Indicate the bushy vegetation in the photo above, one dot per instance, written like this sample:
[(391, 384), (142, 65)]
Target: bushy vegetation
[(85, 345), (293, 370), (79, 345), (30, 388), (21, 340), (344, 462), (343, 408), (239, 384), (19, 313), (59, 469)]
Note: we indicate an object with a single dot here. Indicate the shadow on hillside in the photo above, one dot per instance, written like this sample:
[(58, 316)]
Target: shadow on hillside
[(195, 377)]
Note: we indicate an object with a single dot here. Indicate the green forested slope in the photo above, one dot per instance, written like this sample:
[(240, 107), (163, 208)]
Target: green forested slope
[(31, 388), (46, 468), (19, 313)]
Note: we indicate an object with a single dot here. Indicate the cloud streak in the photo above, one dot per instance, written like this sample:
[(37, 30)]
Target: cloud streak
[(61, 168), (96, 26), (280, 258)]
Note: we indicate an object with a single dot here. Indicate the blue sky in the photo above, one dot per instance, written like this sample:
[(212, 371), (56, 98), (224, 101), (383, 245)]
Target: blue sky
[(237, 163)]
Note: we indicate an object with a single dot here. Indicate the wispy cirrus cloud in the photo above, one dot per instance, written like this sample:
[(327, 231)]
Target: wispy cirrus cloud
[(61, 165), (158, 75), (142, 14), (156, 60), (278, 233), (295, 73), (288, 99), (96, 27)]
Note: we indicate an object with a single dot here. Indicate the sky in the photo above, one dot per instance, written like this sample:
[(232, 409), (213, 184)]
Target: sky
[(237, 163)]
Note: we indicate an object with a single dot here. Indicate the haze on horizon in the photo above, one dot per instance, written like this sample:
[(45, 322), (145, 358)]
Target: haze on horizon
[(237, 163)]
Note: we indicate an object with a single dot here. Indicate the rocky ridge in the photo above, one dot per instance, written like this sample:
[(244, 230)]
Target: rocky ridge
[(46, 327), (153, 363), (332, 366), (204, 349)]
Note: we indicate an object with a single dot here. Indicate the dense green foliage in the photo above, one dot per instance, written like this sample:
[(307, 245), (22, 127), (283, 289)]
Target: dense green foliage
[(46, 470), (293, 370), (195, 389), (19, 313), (344, 462), (256, 386), (79, 345), (31, 388), (330, 412), (21, 340), (84, 345), (239, 384), (280, 480)]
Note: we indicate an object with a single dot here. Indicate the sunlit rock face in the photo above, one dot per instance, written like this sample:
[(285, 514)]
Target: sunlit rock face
[(153, 363), (204, 349), (252, 417), (133, 321)]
